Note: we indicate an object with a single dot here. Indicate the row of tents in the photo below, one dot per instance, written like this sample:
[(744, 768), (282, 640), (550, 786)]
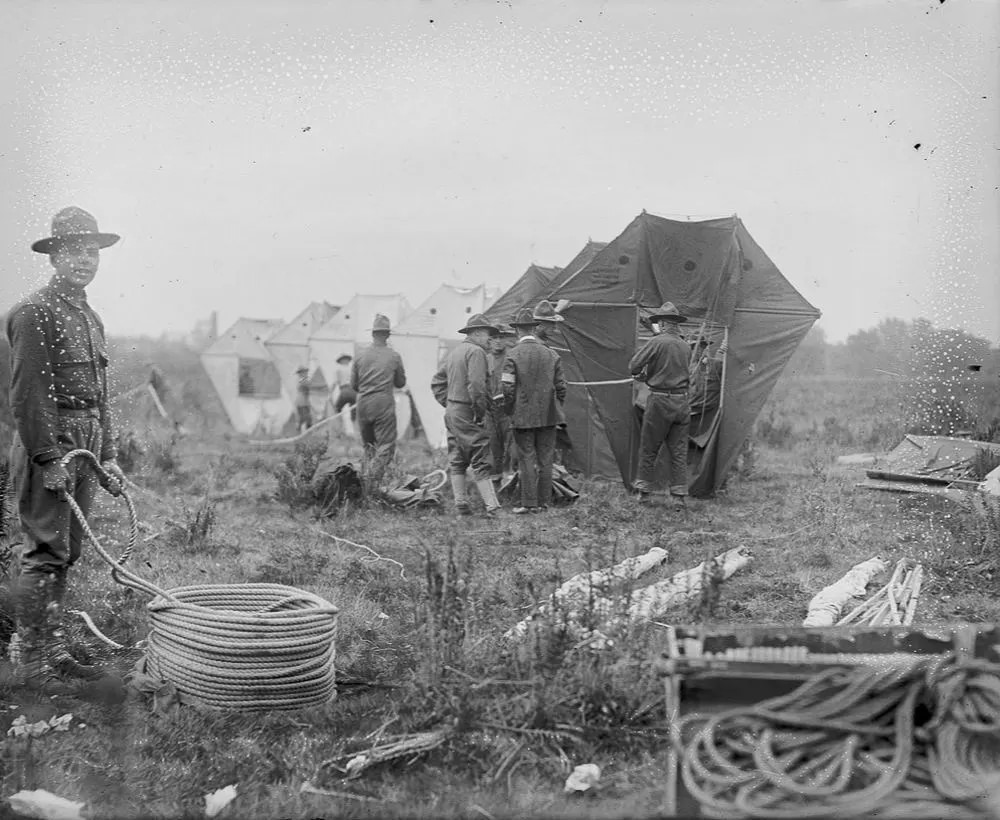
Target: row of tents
[(715, 272)]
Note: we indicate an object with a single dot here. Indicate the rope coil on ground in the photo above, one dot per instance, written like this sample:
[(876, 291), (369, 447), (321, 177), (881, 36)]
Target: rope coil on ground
[(231, 646), (914, 740)]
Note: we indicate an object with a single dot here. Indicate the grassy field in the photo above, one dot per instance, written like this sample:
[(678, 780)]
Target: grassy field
[(414, 654)]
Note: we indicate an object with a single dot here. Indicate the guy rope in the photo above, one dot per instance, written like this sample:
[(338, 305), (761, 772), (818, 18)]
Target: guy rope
[(230, 646)]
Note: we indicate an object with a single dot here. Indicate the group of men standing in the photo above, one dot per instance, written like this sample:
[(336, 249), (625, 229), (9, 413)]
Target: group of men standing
[(512, 395)]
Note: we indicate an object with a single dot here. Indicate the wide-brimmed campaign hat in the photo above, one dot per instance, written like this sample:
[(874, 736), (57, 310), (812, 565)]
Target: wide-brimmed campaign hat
[(480, 322), (669, 312), (381, 324), (545, 311), (73, 223), (525, 317)]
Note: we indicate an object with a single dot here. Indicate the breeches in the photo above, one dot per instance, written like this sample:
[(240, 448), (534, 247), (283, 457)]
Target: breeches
[(468, 442)]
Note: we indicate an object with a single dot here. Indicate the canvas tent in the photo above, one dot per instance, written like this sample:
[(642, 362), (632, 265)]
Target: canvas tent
[(289, 348), (246, 377), (730, 290), (425, 336), (530, 287)]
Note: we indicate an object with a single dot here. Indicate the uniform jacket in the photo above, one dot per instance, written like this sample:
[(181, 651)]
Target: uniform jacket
[(59, 360), (533, 385), (378, 369), (463, 378), (664, 362)]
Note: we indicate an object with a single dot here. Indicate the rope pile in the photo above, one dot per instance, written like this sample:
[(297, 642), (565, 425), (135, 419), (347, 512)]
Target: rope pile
[(231, 646), (917, 740)]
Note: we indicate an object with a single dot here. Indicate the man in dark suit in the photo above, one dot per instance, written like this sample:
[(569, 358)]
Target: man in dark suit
[(534, 390)]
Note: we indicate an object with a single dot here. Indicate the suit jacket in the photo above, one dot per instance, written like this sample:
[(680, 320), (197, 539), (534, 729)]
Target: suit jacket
[(533, 385)]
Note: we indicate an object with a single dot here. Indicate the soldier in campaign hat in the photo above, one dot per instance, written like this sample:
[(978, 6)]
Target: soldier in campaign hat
[(461, 387), (662, 363), (375, 375), (59, 400)]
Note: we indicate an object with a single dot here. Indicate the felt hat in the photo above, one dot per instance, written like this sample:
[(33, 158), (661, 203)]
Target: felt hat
[(669, 312), (381, 324), (545, 312), (480, 322), (73, 223), (525, 318)]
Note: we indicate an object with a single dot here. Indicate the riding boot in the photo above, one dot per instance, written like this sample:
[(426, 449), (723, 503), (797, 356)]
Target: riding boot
[(489, 495), (459, 488), (59, 655)]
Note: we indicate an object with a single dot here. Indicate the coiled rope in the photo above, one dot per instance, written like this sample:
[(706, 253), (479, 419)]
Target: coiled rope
[(918, 740), (230, 646)]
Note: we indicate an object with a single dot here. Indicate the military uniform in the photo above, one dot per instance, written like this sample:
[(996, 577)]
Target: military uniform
[(663, 364), (374, 375), (59, 402), (460, 386)]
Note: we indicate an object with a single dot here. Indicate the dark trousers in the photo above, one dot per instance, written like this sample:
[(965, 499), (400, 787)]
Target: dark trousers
[(536, 447), (347, 396), (377, 426), (51, 535), (468, 442), (665, 421), (305, 416), (501, 442)]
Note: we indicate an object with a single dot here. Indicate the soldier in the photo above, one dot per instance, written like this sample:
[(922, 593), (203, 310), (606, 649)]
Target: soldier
[(59, 400), (460, 386), (374, 374), (534, 390), (303, 407), (663, 364)]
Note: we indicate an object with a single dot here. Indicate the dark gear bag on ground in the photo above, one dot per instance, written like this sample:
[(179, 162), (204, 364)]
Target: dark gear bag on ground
[(335, 489)]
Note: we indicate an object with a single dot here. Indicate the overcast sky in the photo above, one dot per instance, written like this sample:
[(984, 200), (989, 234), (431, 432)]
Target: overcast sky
[(256, 156)]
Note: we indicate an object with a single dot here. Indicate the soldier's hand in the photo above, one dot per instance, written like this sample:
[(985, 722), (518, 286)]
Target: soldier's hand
[(112, 479), (55, 477)]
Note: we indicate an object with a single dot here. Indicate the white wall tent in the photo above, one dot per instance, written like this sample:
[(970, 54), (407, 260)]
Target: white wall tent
[(423, 338), (290, 349), (246, 377)]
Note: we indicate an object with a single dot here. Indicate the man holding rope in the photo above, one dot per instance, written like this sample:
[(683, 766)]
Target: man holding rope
[(59, 400)]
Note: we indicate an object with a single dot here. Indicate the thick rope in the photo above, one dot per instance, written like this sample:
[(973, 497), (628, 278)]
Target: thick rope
[(920, 739), (231, 646)]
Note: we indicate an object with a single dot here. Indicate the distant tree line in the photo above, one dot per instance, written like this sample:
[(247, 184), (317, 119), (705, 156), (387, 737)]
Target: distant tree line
[(897, 349)]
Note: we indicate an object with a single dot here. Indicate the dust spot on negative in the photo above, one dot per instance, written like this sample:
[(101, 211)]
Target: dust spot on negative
[(623, 260), (690, 265)]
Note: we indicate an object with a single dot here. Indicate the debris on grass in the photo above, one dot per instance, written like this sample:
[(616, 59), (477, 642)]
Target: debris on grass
[(219, 799), (577, 591), (828, 604), (45, 805), (893, 604), (583, 778), (21, 728)]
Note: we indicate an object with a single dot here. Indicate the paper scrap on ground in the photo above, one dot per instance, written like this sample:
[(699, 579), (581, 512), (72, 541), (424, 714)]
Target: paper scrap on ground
[(45, 805), (218, 800), (583, 777)]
